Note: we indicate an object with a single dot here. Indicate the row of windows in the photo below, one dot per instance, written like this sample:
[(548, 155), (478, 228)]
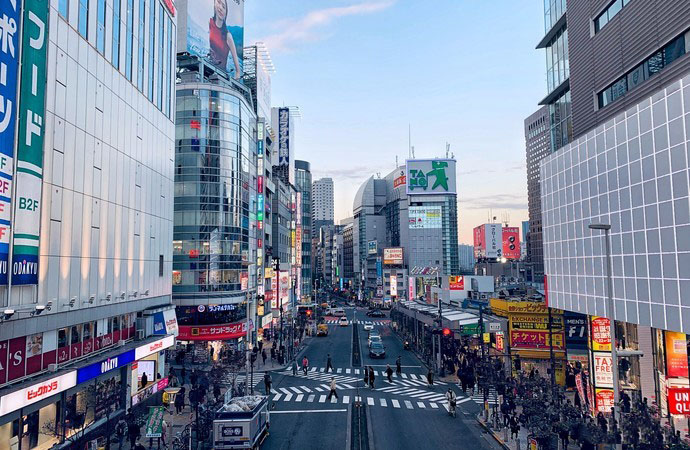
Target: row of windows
[(553, 10), (608, 14), (644, 71), (557, 64), (165, 47)]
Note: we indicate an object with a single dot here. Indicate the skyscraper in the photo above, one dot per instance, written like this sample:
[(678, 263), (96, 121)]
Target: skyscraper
[(322, 202), (304, 228)]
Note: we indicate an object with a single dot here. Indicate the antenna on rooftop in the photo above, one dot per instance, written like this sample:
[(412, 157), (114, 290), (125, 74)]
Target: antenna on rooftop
[(447, 149)]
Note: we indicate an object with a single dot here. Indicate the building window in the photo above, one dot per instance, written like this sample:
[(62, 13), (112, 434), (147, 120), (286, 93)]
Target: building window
[(152, 48), (84, 18), (160, 265), (644, 71), (100, 29), (171, 70), (161, 49), (141, 40), (608, 14), (129, 31), (116, 34), (63, 8)]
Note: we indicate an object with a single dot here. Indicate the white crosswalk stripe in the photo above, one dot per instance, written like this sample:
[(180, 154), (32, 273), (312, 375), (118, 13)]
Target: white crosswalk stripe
[(322, 399), (396, 404), (370, 401), (346, 399), (299, 398), (421, 405), (434, 405), (311, 398), (383, 402), (408, 404), (288, 397)]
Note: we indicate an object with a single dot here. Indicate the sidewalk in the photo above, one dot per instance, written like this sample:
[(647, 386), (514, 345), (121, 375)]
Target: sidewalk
[(504, 438)]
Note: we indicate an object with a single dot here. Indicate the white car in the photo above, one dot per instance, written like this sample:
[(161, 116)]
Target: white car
[(368, 327), (373, 339), (343, 322)]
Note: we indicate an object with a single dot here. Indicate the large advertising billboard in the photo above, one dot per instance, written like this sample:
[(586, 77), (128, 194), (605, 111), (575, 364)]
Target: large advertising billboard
[(479, 241), (215, 32), (425, 217), (430, 176), (394, 286), (488, 241), (393, 256), (511, 242), (676, 354), (284, 136)]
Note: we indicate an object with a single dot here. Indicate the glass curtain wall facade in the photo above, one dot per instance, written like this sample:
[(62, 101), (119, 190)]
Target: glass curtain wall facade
[(215, 170), (303, 185)]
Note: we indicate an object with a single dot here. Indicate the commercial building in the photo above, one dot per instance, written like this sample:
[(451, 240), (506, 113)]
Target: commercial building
[(627, 168), (348, 260), (303, 220), (90, 276), (322, 205), (466, 259)]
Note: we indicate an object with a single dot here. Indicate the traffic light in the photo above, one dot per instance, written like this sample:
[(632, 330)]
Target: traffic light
[(446, 331), (309, 313)]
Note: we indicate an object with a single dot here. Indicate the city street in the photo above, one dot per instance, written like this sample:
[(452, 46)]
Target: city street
[(403, 414)]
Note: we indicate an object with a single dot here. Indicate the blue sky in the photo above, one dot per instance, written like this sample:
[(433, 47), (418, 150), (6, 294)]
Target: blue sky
[(459, 71)]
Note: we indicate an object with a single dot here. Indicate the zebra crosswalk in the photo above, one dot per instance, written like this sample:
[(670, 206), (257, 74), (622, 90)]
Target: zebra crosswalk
[(350, 375), (380, 323), (478, 397), (240, 379), (290, 395)]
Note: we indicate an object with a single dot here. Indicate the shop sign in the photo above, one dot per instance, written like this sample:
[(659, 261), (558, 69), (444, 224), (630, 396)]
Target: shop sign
[(679, 401), (266, 320), (165, 322), (456, 283), (676, 354), (603, 369), (580, 388), (535, 322), (399, 181), (601, 334), (37, 392), (372, 247), (604, 399), (154, 347), (393, 256), (535, 339), (171, 6), (575, 330), (430, 176), (214, 332), (412, 287), (97, 369), (394, 286), (500, 346), (526, 307), (154, 422), (149, 391)]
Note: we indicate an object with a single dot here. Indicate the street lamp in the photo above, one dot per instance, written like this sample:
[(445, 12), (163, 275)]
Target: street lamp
[(606, 228)]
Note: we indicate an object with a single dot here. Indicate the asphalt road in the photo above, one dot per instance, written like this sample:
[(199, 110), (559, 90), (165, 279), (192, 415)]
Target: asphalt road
[(405, 414)]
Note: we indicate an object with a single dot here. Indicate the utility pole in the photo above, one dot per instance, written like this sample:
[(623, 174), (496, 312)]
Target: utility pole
[(439, 360)]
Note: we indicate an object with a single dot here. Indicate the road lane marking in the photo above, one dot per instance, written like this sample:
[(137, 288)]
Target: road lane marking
[(358, 398), (320, 389), (305, 389), (340, 370), (309, 411), (404, 375), (311, 398), (277, 397), (299, 398), (285, 391), (356, 371), (322, 399), (383, 402), (408, 404), (334, 399), (370, 401), (347, 370), (421, 405), (433, 405), (321, 370), (346, 399), (463, 400), (445, 406), (427, 396), (287, 398), (347, 386), (296, 390), (313, 369), (396, 404)]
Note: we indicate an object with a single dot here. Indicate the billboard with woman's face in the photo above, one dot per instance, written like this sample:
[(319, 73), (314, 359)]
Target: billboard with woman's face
[(215, 32)]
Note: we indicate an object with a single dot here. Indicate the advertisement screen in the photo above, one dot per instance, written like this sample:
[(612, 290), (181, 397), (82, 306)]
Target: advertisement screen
[(601, 334), (494, 238), (430, 176), (372, 247), (676, 354), (456, 283), (511, 242), (148, 368), (394, 286), (215, 32), (479, 242), (393, 256), (425, 217)]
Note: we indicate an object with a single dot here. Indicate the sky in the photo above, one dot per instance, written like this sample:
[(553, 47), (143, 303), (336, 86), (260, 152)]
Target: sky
[(463, 72)]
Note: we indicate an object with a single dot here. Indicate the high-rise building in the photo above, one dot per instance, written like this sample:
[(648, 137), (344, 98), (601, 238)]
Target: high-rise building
[(87, 233), (348, 267), (466, 259), (626, 168), (538, 144), (322, 205), (304, 220)]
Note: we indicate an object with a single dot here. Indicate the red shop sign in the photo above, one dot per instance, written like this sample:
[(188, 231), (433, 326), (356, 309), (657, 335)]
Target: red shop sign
[(679, 401), (213, 332)]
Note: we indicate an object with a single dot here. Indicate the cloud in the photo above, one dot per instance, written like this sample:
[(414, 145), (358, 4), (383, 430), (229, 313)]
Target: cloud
[(307, 28), (351, 173), (496, 201)]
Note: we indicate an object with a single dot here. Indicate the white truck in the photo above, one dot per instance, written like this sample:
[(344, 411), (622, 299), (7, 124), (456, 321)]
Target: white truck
[(242, 422)]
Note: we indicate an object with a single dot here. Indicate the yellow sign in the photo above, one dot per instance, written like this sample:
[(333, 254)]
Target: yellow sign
[(487, 338), (505, 307), (268, 272), (535, 322)]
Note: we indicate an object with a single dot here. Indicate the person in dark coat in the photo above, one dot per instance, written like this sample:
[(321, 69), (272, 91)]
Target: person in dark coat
[(179, 400), (371, 378), (430, 377), (389, 372)]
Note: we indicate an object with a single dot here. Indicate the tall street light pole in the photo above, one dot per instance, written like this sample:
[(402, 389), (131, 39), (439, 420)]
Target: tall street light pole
[(612, 321)]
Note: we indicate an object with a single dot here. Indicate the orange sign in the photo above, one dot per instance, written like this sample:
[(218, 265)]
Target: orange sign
[(399, 181), (601, 334), (456, 283), (676, 354)]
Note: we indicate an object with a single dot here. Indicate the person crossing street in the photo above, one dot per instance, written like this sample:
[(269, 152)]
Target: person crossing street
[(452, 401), (371, 377), (389, 372), (430, 378), (305, 365), (329, 363), (267, 382), (333, 391), (398, 366)]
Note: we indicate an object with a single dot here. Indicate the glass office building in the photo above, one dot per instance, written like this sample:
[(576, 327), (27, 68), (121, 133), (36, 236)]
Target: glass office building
[(303, 185)]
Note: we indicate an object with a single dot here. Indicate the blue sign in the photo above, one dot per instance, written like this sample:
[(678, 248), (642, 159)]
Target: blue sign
[(9, 67), (379, 268), (260, 148), (97, 369), (159, 323)]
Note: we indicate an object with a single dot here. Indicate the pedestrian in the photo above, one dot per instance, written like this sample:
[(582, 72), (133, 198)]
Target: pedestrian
[(430, 377), (563, 434), (267, 383), (133, 432), (144, 380), (294, 367), (179, 400), (138, 446), (194, 377), (366, 376), (216, 391), (398, 366), (212, 351), (329, 363), (183, 375), (333, 392), (273, 353), (120, 430), (371, 377), (305, 365), (514, 427), (389, 372)]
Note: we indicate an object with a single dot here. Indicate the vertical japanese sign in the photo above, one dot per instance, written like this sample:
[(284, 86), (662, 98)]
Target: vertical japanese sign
[(32, 93), (283, 136), (9, 66)]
